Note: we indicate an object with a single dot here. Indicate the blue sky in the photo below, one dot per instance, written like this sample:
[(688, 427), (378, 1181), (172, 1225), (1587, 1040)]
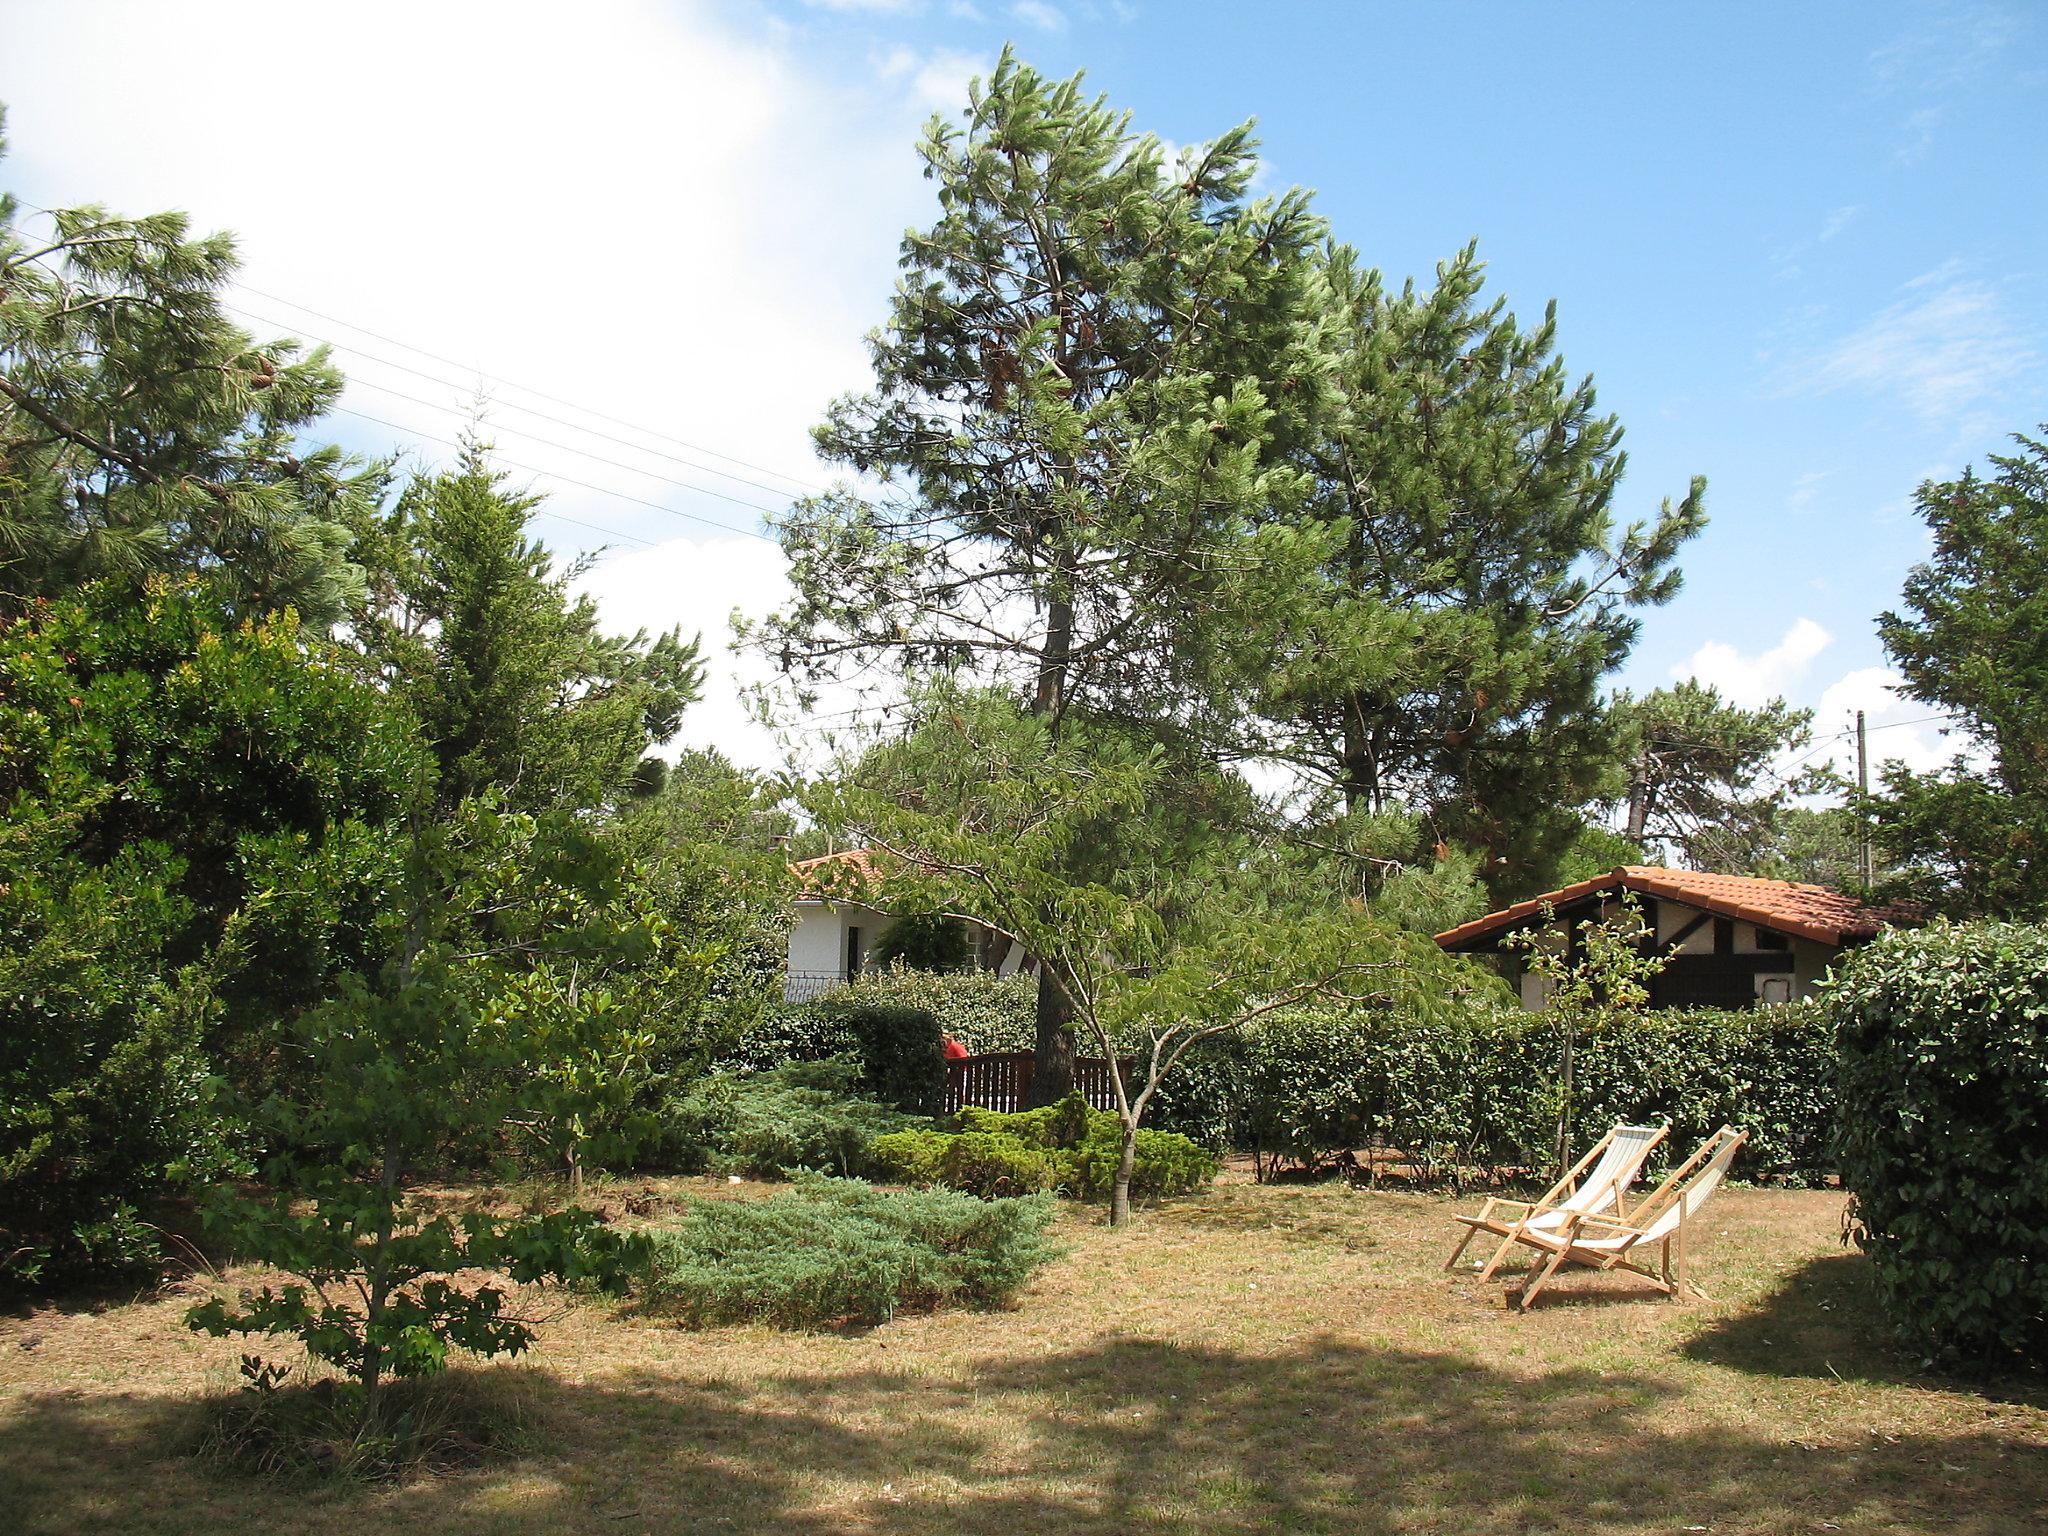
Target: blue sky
[(1799, 248)]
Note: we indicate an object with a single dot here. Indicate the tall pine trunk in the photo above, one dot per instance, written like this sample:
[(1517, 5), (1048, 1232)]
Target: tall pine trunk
[(1052, 1057)]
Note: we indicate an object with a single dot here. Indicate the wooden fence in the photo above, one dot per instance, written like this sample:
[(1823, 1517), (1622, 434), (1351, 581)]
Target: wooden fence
[(1001, 1080)]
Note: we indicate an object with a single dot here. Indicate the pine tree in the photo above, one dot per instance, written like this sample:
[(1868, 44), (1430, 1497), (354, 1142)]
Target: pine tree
[(1698, 772), (513, 682), (142, 432), (1483, 591), (1972, 640), (1091, 361)]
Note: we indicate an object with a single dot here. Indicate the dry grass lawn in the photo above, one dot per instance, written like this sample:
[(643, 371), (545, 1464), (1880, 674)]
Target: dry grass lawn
[(1258, 1359)]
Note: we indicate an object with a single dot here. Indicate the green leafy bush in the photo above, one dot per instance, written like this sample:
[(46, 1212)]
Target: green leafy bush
[(981, 1010), (976, 1162), (839, 1251), (900, 1048), (1944, 1132), (803, 1116), (1477, 1088), (1066, 1146)]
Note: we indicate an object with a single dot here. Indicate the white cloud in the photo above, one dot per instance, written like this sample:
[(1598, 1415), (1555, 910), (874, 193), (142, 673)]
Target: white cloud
[(1754, 680), (1806, 492), (868, 7), (1037, 13), (935, 80), (1943, 52), (701, 583), (1837, 221), (1897, 728), (655, 218), (1942, 347)]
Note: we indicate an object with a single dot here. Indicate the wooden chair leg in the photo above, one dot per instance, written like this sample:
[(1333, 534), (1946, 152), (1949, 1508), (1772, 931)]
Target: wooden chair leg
[(1541, 1279), (1458, 1252), (1486, 1270), (1485, 1211)]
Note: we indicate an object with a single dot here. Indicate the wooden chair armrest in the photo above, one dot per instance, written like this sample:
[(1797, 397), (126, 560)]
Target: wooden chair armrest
[(1590, 1220)]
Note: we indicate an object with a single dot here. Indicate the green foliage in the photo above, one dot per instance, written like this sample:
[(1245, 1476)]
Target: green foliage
[(1456, 637), (984, 1163), (1594, 850), (197, 835), (1699, 772), (514, 685), (803, 1116), (1038, 385), (400, 1069), (1191, 939), (1066, 1146), (1479, 1087), (835, 1252), (1602, 971), (142, 433), (899, 1044), (1944, 1132), (923, 941), (902, 1052), (1972, 641), (981, 1010)]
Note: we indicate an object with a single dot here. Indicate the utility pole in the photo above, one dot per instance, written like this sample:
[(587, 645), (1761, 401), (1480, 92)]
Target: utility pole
[(1863, 801)]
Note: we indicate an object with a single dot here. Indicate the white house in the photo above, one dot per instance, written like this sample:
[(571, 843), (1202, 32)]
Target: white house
[(1733, 941), (834, 933)]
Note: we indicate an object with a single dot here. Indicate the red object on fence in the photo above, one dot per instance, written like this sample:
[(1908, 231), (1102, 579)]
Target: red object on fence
[(1001, 1080), (954, 1050)]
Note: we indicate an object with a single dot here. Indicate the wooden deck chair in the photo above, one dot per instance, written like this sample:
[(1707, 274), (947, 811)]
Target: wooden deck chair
[(1597, 1182), (1609, 1242)]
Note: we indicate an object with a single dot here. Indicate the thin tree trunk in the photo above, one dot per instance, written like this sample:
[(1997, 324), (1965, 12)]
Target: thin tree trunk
[(1126, 1162)]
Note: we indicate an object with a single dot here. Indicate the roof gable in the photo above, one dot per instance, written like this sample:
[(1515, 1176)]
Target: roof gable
[(1785, 906)]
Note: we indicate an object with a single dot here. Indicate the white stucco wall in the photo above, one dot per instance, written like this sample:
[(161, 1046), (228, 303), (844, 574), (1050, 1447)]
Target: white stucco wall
[(817, 939)]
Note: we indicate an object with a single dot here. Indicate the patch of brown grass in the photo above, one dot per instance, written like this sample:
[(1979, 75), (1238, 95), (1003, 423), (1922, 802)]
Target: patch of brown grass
[(1260, 1358)]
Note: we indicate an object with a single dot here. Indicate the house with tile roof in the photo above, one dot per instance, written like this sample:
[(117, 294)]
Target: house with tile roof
[(839, 923), (1732, 941)]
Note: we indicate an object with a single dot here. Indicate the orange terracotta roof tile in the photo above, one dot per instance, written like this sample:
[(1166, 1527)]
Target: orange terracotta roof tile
[(1809, 911), (834, 872)]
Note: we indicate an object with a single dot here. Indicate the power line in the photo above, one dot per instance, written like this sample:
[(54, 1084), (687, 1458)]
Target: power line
[(526, 388), (585, 453), (534, 469), (525, 410)]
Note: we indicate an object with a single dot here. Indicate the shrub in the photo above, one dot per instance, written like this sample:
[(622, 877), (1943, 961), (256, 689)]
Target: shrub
[(975, 1162), (1943, 1036), (902, 1053), (1167, 1163), (1067, 1146), (981, 1010), (1470, 1087), (806, 1115), (839, 1251), (901, 1049)]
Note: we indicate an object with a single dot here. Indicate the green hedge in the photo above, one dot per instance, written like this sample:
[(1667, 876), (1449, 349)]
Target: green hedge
[(1477, 1088), (1065, 1146), (984, 1012), (1944, 1101), (837, 1251), (900, 1047)]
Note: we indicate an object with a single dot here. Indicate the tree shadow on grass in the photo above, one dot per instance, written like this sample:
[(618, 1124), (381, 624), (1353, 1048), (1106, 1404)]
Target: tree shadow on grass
[(1824, 1321), (1130, 1435)]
